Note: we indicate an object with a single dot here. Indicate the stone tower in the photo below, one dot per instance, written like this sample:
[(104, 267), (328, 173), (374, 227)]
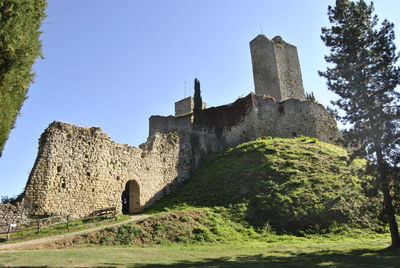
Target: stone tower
[(276, 68), (185, 106)]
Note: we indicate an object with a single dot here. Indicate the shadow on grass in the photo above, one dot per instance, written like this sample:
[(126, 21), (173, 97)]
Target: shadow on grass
[(355, 258)]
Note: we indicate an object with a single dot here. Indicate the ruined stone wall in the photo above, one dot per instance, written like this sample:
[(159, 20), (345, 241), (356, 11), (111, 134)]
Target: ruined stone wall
[(12, 213), (166, 124), (249, 118), (256, 116), (79, 170)]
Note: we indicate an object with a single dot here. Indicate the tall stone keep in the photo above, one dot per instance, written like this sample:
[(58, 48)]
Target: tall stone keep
[(276, 68)]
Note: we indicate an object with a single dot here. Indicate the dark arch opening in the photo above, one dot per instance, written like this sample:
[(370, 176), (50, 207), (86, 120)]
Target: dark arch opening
[(131, 198)]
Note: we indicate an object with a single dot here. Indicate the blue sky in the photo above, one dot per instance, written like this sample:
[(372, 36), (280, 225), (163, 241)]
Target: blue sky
[(113, 64)]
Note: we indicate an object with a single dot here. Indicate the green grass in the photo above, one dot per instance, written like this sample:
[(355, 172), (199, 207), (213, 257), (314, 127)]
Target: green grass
[(209, 222), (300, 253), (257, 191), (199, 227), (62, 229), (187, 227), (291, 185)]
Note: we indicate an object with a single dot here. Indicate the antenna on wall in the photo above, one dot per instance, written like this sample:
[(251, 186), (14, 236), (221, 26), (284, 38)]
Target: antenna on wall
[(262, 32)]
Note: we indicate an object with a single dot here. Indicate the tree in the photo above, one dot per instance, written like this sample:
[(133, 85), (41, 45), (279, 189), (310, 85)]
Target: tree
[(310, 96), (198, 103), (20, 21), (362, 72)]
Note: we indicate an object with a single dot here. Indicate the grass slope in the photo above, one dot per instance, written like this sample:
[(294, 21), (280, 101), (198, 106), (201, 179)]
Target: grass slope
[(188, 226), (256, 191), (300, 253), (60, 229), (290, 185)]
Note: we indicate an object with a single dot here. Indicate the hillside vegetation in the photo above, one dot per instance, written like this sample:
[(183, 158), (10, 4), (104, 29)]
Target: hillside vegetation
[(257, 191), (287, 185)]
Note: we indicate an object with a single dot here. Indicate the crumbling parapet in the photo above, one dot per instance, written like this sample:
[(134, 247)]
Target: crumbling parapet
[(255, 116)]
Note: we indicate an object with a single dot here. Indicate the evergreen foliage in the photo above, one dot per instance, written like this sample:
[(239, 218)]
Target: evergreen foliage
[(198, 103), (310, 97), (364, 75), (20, 21)]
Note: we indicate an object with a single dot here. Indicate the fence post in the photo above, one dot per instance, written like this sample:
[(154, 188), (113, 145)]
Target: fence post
[(38, 227), (8, 232), (67, 222), (93, 217)]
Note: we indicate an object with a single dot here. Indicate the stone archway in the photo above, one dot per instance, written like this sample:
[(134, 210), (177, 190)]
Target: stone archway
[(131, 198)]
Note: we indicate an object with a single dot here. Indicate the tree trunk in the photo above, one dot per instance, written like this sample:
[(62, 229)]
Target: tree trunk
[(388, 202)]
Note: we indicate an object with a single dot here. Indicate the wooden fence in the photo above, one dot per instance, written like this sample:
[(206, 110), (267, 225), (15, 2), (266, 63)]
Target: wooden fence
[(36, 226)]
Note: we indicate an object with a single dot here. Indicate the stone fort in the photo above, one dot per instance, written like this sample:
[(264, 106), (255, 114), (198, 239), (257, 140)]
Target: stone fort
[(79, 170)]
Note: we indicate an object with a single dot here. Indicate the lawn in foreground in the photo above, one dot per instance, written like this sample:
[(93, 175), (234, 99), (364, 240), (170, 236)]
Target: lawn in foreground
[(306, 253)]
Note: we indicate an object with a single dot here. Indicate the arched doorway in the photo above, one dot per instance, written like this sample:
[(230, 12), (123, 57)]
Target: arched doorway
[(131, 198)]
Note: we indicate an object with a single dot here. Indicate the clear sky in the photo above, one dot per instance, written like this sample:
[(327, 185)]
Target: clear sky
[(114, 63)]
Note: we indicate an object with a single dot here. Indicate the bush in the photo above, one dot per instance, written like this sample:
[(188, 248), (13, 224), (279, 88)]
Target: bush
[(126, 233)]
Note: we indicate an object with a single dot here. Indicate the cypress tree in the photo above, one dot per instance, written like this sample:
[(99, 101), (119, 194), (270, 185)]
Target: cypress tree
[(198, 103), (20, 21), (310, 96), (364, 75)]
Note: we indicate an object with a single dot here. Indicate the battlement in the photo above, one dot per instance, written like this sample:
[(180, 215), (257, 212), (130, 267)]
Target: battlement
[(276, 68)]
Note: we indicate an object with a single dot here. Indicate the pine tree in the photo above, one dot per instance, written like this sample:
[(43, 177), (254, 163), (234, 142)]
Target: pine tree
[(198, 103), (20, 21), (364, 76)]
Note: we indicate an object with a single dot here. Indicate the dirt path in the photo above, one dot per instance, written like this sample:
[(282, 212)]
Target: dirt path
[(45, 240)]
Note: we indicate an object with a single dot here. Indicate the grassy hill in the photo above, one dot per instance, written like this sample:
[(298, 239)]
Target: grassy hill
[(290, 185), (256, 191)]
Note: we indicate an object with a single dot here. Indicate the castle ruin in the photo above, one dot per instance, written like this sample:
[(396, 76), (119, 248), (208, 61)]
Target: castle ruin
[(79, 170)]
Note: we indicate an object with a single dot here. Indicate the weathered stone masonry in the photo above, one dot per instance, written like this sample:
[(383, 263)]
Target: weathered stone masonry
[(276, 68), (252, 117), (79, 170)]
